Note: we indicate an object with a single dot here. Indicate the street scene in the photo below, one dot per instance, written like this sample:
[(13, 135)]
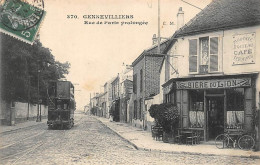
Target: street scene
[(129, 82), (90, 142)]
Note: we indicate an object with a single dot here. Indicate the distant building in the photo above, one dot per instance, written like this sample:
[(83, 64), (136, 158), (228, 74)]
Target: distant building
[(116, 99), (126, 89)]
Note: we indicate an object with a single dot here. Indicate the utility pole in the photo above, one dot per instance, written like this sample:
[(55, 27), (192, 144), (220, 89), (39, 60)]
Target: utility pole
[(159, 33)]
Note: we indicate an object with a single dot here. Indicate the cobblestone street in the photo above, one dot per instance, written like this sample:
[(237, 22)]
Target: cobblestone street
[(89, 142)]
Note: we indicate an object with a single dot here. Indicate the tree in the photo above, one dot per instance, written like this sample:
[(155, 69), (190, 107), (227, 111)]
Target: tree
[(166, 115), (20, 65)]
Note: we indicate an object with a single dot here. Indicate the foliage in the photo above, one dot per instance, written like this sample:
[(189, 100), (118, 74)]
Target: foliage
[(166, 115), (20, 65)]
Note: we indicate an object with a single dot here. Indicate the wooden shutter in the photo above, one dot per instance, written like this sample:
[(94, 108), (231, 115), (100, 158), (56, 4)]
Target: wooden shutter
[(193, 56), (214, 54)]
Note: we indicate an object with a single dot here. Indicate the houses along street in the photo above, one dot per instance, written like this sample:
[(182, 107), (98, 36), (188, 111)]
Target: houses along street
[(89, 142)]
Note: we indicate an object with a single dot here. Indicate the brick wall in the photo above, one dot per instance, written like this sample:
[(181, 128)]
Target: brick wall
[(139, 95), (151, 79), (152, 75)]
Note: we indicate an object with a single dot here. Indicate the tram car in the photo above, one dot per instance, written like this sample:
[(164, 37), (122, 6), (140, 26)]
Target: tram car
[(61, 104)]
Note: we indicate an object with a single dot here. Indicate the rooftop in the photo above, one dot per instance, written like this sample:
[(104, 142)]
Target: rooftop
[(152, 51), (223, 14)]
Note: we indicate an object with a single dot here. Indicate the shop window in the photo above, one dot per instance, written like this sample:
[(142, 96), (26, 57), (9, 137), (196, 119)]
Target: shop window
[(203, 55), (196, 113), (235, 108)]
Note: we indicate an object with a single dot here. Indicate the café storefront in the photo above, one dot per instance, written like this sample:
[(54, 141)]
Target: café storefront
[(215, 103)]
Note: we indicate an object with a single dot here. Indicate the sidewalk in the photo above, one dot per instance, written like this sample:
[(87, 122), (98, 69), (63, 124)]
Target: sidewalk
[(143, 140), (5, 128)]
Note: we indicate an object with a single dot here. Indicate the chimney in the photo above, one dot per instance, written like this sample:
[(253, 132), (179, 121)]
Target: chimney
[(154, 39), (180, 18)]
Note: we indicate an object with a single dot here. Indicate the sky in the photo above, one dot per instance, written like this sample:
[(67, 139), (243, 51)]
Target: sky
[(97, 52)]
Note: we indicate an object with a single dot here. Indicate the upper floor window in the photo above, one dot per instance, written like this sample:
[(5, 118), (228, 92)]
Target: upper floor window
[(135, 83), (203, 55), (141, 80)]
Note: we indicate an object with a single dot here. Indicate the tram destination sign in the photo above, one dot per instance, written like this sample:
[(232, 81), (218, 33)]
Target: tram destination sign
[(209, 84)]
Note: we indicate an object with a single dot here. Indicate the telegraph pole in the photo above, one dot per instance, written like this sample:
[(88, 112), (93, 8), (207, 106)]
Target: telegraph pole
[(159, 33)]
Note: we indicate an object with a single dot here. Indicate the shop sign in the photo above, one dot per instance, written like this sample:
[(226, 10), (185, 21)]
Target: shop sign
[(209, 84), (244, 49)]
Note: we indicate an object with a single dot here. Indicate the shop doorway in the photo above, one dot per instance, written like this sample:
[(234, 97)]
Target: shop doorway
[(215, 117)]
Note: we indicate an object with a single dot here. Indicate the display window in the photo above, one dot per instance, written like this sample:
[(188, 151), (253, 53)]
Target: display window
[(235, 108), (196, 113)]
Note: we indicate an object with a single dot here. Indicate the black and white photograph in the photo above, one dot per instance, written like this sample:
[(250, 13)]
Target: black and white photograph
[(149, 82)]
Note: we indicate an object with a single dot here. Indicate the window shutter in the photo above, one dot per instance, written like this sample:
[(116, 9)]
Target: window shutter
[(193, 55), (214, 54)]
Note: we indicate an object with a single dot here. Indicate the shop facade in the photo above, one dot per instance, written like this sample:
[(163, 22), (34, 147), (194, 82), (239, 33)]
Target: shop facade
[(215, 104), (214, 70)]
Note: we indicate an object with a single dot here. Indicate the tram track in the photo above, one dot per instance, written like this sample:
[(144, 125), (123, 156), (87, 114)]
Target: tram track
[(24, 147), (14, 158), (24, 151)]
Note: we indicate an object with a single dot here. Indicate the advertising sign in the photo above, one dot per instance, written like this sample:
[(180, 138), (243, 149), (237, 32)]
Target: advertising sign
[(244, 49), (209, 84)]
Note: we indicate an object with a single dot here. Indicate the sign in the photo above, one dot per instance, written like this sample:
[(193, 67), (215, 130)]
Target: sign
[(244, 49), (209, 84)]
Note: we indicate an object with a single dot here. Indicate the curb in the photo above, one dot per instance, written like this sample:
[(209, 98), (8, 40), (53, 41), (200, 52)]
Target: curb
[(16, 129), (175, 152), (135, 146)]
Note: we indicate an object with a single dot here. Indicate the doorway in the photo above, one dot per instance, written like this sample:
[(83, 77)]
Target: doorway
[(215, 117)]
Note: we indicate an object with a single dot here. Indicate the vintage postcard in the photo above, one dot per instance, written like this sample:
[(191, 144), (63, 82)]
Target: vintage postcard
[(129, 82)]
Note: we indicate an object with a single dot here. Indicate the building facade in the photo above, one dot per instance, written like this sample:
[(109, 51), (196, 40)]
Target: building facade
[(214, 72), (126, 89), (116, 99), (146, 82)]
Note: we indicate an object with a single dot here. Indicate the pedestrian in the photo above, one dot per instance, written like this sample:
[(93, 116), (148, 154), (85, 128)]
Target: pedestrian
[(110, 118)]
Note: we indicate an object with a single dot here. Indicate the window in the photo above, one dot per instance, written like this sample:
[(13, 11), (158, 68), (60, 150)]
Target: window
[(196, 113), (134, 83), (214, 54), (135, 109), (204, 55), (193, 58), (141, 80), (235, 108), (207, 59)]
